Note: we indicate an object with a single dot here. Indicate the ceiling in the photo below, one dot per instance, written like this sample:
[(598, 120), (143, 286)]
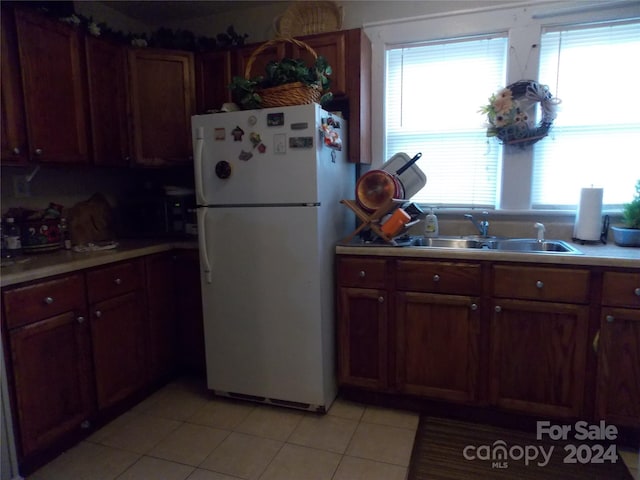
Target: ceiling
[(157, 12)]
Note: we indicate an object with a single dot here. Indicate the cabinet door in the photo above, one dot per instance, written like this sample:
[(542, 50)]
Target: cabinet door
[(362, 338), (189, 311), (332, 47), (163, 100), (53, 76), (160, 288), (107, 68), (13, 136), (242, 56), (538, 355), (437, 345), (618, 393), (52, 374), (119, 337), (213, 76)]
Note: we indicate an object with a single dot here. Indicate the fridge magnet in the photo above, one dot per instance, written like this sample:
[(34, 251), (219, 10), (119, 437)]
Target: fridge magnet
[(299, 126), (245, 155), (280, 143), (223, 169), (329, 129), (300, 142), (219, 133), (237, 134), (262, 148), (252, 120), (255, 139), (275, 119)]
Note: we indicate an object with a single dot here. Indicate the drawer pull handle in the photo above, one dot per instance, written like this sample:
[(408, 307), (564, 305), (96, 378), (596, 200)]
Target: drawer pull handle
[(436, 278), (474, 306), (610, 318), (38, 151), (380, 299), (362, 274), (98, 313), (539, 284), (118, 281), (80, 319), (498, 309), (48, 300), (637, 291)]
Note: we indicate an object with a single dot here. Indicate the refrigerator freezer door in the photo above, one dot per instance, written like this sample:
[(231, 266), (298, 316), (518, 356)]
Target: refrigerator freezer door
[(284, 170), (267, 310)]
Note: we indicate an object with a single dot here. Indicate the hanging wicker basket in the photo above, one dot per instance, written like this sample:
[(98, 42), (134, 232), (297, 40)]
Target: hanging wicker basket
[(296, 93), (309, 17)]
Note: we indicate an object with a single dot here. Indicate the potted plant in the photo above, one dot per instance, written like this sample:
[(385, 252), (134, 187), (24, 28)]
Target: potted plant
[(285, 82), (629, 235)]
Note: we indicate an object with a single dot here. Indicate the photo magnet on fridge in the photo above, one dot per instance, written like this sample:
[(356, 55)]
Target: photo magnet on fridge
[(275, 119), (219, 133), (300, 142)]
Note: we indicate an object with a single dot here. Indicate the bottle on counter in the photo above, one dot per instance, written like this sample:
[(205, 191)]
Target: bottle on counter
[(431, 225), (12, 238), (65, 234)]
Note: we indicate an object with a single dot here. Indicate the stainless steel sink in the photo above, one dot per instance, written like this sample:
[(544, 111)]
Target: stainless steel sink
[(534, 245), (528, 245)]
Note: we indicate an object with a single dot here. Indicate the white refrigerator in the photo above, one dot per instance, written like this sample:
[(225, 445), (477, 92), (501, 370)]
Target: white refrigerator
[(268, 188)]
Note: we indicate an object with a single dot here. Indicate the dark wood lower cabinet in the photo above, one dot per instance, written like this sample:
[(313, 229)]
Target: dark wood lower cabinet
[(51, 368), (538, 357), (119, 336), (362, 327), (437, 345)]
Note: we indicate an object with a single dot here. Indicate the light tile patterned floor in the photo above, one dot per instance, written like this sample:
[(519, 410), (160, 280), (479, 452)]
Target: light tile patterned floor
[(183, 433)]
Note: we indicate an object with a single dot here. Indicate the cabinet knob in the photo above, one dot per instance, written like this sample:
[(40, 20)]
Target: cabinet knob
[(610, 318), (85, 425), (637, 291), (539, 284), (380, 299), (80, 319), (498, 308), (474, 306), (16, 151), (48, 300), (362, 274), (118, 281), (98, 313), (436, 278), (38, 151)]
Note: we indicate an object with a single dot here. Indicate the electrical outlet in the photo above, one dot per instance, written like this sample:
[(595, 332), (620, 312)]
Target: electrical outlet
[(21, 186)]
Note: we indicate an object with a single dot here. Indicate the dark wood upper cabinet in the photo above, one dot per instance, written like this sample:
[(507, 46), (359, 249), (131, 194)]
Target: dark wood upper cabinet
[(108, 102), (13, 136), (53, 76), (213, 76), (162, 95)]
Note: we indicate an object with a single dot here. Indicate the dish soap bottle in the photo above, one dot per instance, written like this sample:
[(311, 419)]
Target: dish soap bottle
[(431, 225)]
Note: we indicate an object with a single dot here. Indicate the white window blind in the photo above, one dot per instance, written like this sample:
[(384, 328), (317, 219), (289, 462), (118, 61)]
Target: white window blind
[(595, 139), (433, 94)]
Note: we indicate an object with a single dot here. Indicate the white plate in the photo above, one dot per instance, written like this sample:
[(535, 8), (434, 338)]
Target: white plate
[(413, 179)]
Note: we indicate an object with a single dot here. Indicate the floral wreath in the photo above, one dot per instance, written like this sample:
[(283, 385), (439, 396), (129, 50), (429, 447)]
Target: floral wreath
[(508, 113)]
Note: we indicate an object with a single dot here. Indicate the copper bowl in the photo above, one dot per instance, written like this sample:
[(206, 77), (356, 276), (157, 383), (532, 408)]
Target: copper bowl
[(377, 187)]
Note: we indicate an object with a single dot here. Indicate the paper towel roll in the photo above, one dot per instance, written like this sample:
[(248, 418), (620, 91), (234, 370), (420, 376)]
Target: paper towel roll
[(588, 224)]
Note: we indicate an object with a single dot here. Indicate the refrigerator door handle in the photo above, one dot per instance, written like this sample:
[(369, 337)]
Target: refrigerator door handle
[(198, 166), (202, 243)]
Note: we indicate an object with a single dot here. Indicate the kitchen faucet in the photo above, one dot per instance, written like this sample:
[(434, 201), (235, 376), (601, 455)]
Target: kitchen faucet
[(541, 230), (482, 225)]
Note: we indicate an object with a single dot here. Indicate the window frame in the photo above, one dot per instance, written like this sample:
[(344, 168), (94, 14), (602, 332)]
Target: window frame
[(524, 24)]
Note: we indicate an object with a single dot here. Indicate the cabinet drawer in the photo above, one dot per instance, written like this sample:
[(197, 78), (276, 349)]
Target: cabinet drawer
[(41, 300), (439, 277), (114, 280), (621, 289), (362, 272), (547, 284)]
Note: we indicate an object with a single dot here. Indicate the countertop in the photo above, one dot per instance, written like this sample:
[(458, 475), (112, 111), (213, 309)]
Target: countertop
[(41, 265), (609, 255)]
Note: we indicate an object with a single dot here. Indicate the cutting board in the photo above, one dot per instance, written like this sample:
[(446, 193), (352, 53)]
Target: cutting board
[(413, 179)]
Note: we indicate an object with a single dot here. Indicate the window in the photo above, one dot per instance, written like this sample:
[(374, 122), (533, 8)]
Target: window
[(421, 80), (596, 138), (432, 107)]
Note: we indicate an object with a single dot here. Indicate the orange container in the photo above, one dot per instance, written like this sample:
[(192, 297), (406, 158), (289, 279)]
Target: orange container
[(396, 222)]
